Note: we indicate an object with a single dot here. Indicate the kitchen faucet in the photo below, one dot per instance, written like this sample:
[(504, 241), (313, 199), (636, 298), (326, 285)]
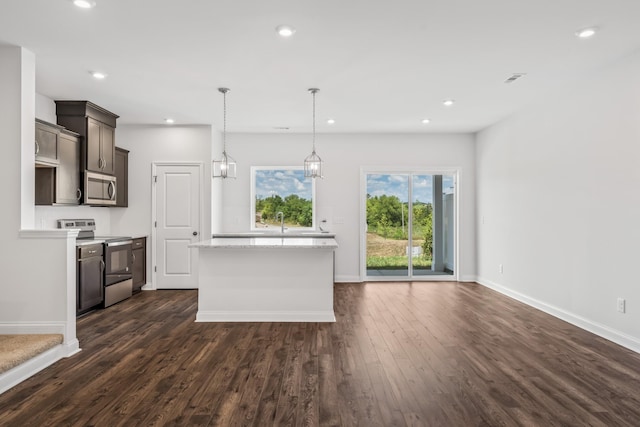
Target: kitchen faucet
[(281, 215)]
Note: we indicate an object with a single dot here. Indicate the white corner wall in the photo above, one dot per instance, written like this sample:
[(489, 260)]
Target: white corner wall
[(558, 203), (338, 194), (38, 290)]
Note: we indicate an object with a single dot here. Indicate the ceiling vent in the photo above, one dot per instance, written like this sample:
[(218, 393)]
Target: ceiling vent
[(514, 77)]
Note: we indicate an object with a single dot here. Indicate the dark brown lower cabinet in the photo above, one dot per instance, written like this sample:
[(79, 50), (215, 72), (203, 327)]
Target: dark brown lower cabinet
[(139, 271), (89, 278)]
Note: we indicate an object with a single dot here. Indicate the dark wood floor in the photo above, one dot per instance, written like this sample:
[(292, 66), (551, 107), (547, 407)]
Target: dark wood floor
[(437, 354)]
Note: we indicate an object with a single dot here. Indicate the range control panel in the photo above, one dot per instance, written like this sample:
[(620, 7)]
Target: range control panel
[(82, 224)]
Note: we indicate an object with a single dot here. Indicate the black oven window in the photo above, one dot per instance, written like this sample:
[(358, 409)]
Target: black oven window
[(118, 260)]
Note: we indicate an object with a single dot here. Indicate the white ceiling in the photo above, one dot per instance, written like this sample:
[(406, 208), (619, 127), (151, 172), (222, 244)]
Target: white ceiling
[(381, 65)]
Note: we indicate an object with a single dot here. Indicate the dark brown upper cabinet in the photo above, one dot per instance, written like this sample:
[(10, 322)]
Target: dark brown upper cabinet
[(122, 177), (68, 190), (60, 183), (46, 143), (97, 126)]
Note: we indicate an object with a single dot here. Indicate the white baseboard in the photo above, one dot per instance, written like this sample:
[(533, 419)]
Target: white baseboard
[(71, 348), (16, 375), (347, 279), (603, 331), (265, 316), (32, 328), (468, 278)]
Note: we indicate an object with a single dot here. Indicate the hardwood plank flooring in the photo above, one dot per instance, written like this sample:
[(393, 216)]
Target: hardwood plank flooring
[(400, 354)]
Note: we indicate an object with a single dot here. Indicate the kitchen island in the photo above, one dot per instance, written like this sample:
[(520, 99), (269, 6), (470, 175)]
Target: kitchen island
[(266, 279)]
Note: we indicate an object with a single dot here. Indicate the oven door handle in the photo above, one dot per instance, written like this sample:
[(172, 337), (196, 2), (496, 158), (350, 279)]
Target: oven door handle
[(102, 264)]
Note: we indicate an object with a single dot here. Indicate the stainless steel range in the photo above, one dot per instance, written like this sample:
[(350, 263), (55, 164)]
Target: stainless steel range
[(117, 259)]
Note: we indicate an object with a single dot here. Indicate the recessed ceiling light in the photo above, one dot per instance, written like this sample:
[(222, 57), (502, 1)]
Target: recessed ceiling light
[(84, 4), (448, 102), (98, 75), (586, 33), (330, 121), (285, 30), (426, 121), (169, 121)]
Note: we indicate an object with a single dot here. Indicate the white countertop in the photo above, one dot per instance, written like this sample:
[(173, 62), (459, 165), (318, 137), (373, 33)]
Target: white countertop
[(278, 234), (267, 243)]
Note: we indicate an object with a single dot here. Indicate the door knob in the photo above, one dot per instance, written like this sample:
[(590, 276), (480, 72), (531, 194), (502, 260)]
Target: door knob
[(195, 233)]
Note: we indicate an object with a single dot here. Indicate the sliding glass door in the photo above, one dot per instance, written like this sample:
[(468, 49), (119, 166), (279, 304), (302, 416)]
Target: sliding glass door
[(410, 225), (387, 225)]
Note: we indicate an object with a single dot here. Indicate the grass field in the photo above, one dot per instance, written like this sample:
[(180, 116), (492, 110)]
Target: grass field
[(392, 254)]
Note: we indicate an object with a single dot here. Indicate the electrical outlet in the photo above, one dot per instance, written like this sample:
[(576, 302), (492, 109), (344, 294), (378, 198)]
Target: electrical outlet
[(500, 268), (621, 305)]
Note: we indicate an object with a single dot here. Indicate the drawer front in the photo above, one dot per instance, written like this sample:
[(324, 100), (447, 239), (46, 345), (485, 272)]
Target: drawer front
[(89, 251)]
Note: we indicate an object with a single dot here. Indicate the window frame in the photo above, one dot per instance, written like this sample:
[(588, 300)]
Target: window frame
[(252, 192)]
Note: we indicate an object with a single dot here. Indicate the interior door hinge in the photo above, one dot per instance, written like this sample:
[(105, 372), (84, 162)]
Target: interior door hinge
[(155, 268), (155, 178), (155, 224)]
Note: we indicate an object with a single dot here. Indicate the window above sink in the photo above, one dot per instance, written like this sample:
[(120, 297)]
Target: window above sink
[(282, 189)]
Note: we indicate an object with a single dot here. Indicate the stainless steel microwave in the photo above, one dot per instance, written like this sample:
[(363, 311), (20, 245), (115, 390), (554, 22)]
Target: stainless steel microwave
[(99, 189)]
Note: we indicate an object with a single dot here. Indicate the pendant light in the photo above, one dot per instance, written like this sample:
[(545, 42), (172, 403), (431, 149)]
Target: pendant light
[(313, 163), (226, 167)]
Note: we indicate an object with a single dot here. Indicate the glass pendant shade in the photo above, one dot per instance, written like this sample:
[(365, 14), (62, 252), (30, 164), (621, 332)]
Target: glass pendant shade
[(313, 162), (313, 166), (224, 168)]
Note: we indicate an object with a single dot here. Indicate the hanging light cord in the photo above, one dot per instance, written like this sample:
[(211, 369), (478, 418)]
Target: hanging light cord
[(313, 92), (314, 120), (224, 122)]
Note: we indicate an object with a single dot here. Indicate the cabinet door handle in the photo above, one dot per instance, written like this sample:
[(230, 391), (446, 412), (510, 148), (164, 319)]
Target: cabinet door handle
[(134, 257), (102, 265), (78, 194), (100, 163), (92, 252), (37, 147)]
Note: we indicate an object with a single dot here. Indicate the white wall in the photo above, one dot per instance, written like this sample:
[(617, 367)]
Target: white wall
[(338, 194), (45, 108), (558, 203), (148, 144), (38, 290)]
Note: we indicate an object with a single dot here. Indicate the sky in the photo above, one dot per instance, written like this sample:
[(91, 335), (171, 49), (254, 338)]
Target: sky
[(398, 185), (282, 182)]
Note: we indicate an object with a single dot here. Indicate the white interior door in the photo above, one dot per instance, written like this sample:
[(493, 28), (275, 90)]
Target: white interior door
[(178, 223)]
